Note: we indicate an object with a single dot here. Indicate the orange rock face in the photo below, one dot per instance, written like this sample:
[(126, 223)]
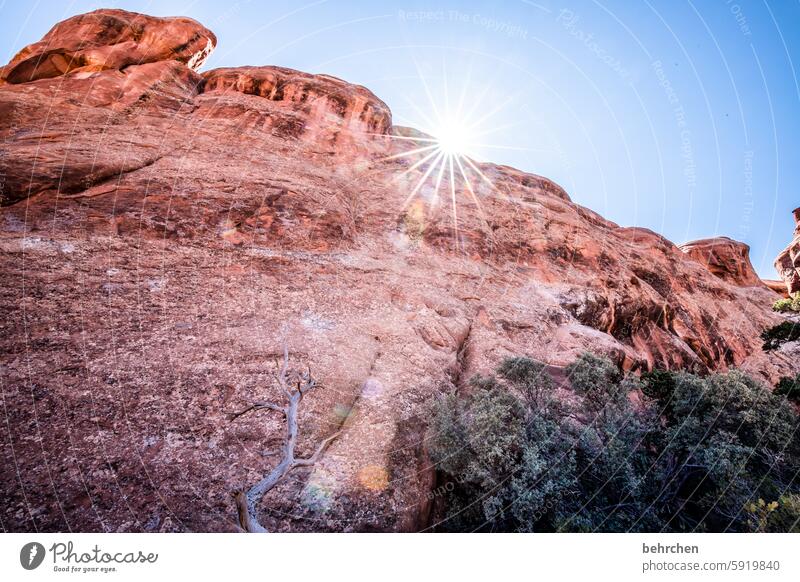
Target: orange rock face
[(726, 258), (110, 39), (167, 231), (778, 286), (788, 261), (319, 97)]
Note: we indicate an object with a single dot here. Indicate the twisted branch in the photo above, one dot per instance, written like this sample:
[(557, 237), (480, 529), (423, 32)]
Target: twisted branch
[(294, 386)]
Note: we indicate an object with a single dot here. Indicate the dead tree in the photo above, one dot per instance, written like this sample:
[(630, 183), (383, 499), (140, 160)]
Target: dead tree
[(294, 386)]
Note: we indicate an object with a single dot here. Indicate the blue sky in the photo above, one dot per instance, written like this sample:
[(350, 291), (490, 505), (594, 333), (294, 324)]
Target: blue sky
[(678, 116)]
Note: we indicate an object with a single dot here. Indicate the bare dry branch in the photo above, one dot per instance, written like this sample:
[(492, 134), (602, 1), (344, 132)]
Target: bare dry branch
[(294, 388), (245, 521), (320, 449), (258, 406)]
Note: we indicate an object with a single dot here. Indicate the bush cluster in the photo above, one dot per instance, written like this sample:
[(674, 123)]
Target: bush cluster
[(665, 452), (791, 304), (777, 335), (790, 388)]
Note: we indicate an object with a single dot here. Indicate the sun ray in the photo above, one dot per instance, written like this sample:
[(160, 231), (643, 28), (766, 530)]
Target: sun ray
[(427, 89), (419, 162), (513, 148), (422, 180), (494, 129), (444, 84), (425, 118), (471, 191), (453, 199), (477, 102), (435, 201), (494, 111), (485, 178), (450, 154), (464, 85), (408, 138), (411, 152)]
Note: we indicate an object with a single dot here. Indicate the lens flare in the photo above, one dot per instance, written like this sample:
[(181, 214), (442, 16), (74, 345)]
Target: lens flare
[(452, 138), (443, 153)]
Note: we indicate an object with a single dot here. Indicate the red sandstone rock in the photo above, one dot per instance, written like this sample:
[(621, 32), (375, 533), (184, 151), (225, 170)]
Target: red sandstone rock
[(788, 261), (325, 99), (109, 39), (726, 258), (165, 232), (778, 286)]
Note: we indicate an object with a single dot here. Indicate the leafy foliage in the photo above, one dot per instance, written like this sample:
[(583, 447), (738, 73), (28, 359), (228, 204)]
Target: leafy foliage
[(669, 451), (777, 335), (789, 387), (658, 384), (785, 518), (788, 305), (760, 513)]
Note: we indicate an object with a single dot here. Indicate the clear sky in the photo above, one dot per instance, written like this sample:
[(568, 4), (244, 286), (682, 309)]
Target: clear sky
[(680, 116)]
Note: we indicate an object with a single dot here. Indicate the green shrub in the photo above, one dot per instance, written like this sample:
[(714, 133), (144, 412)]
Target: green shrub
[(789, 387), (686, 454), (729, 441), (658, 384), (529, 377), (759, 514), (596, 379), (780, 334), (786, 517), (787, 305)]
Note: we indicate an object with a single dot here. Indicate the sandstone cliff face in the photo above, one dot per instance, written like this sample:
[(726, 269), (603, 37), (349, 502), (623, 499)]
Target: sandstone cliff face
[(726, 258), (109, 39), (788, 261), (167, 230)]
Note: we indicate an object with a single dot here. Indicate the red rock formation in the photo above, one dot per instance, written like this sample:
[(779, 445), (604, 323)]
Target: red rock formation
[(778, 286), (726, 258), (788, 262), (318, 97), (109, 39), (166, 231)]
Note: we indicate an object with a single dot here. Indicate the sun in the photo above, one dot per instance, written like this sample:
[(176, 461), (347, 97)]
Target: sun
[(453, 138), (444, 150)]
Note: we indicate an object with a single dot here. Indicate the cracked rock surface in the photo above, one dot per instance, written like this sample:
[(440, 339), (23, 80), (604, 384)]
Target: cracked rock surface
[(163, 231)]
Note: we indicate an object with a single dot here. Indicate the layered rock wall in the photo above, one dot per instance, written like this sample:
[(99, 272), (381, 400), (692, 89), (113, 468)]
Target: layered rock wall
[(726, 258), (167, 231), (788, 261)]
